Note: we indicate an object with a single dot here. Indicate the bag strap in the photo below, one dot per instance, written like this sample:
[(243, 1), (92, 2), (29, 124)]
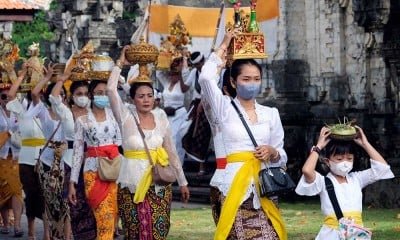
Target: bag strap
[(143, 138), (332, 196), (50, 138), (253, 140)]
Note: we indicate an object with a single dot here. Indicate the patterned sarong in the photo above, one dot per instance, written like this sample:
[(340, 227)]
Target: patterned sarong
[(83, 222), (52, 182), (251, 224), (106, 212), (146, 220)]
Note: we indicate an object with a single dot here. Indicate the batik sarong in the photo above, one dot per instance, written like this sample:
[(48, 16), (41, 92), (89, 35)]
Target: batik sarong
[(105, 212), (83, 222), (251, 224), (52, 183), (215, 201), (149, 219)]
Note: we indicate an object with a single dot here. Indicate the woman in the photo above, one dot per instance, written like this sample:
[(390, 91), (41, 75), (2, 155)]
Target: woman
[(244, 215), (144, 208), (51, 162), (175, 86), (83, 223), (32, 140), (99, 130), (10, 184)]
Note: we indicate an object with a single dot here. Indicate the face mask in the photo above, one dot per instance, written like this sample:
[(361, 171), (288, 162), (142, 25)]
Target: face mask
[(248, 91), (341, 168), (81, 101), (101, 101)]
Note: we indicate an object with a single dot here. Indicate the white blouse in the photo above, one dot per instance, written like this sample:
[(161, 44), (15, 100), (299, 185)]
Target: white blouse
[(267, 130), (29, 128), (349, 194), (64, 113), (48, 127), (8, 124), (132, 169), (172, 98), (95, 134)]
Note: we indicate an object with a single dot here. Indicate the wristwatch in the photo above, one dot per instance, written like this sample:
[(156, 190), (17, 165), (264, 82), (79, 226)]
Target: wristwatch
[(315, 149)]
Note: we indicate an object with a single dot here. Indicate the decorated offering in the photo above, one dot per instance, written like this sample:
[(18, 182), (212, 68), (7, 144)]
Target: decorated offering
[(343, 131), (35, 68), (171, 47), (250, 42), (81, 63), (143, 54), (8, 57), (101, 67)]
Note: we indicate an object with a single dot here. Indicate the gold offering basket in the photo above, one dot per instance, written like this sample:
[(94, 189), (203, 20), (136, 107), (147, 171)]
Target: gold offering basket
[(99, 75), (142, 54), (79, 76)]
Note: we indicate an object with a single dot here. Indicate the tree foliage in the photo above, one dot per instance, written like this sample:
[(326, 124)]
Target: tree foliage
[(25, 33)]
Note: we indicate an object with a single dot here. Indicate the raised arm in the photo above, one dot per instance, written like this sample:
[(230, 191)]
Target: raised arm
[(60, 82), (363, 142), (116, 103), (311, 162), (12, 93), (36, 90)]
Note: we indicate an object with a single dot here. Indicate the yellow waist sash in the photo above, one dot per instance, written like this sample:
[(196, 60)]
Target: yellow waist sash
[(236, 193), (158, 156), (332, 222), (33, 142)]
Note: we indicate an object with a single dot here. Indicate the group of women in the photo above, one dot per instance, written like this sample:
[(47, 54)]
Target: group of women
[(101, 124)]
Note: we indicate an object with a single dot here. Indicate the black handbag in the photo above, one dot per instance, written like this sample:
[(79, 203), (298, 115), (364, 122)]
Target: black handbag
[(273, 181)]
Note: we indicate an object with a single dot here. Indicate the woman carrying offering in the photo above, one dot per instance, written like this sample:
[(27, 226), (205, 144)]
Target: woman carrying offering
[(244, 214), (83, 223), (144, 207), (51, 162), (101, 133)]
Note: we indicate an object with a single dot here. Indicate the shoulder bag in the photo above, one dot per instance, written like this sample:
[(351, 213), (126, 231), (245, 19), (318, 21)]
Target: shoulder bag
[(273, 180), (108, 169), (162, 175), (348, 229)]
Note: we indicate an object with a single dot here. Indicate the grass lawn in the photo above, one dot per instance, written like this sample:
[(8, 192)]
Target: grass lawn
[(303, 221)]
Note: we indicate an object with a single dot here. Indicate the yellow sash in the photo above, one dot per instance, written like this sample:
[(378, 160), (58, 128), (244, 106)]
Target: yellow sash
[(33, 142), (332, 222), (158, 156), (236, 193)]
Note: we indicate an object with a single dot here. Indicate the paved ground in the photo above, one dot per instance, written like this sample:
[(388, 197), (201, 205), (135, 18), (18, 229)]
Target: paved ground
[(39, 224)]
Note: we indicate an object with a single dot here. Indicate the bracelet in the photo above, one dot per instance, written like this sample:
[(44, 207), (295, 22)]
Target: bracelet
[(315, 149)]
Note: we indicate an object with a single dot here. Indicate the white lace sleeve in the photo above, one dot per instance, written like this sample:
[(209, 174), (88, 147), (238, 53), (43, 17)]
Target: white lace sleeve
[(117, 106), (169, 146), (77, 156), (64, 114)]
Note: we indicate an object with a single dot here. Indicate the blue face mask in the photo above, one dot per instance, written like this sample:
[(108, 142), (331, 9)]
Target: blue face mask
[(101, 101), (248, 91)]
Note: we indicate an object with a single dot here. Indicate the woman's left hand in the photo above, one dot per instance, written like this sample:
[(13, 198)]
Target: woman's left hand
[(185, 194), (361, 139), (264, 153)]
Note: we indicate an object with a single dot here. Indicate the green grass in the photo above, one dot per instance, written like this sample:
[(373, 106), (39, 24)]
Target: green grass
[(303, 221)]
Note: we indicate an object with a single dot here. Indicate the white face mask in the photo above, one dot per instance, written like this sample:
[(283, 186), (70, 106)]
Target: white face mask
[(341, 168), (81, 101)]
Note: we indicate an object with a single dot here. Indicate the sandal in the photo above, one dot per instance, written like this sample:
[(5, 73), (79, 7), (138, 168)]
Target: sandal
[(4, 230), (18, 233)]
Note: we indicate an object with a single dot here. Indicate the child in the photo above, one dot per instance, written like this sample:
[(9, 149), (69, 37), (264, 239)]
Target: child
[(348, 186)]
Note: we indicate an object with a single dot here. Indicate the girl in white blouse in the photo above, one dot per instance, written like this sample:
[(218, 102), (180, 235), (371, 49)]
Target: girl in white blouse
[(347, 185), (101, 133), (258, 217), (144, 206)]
